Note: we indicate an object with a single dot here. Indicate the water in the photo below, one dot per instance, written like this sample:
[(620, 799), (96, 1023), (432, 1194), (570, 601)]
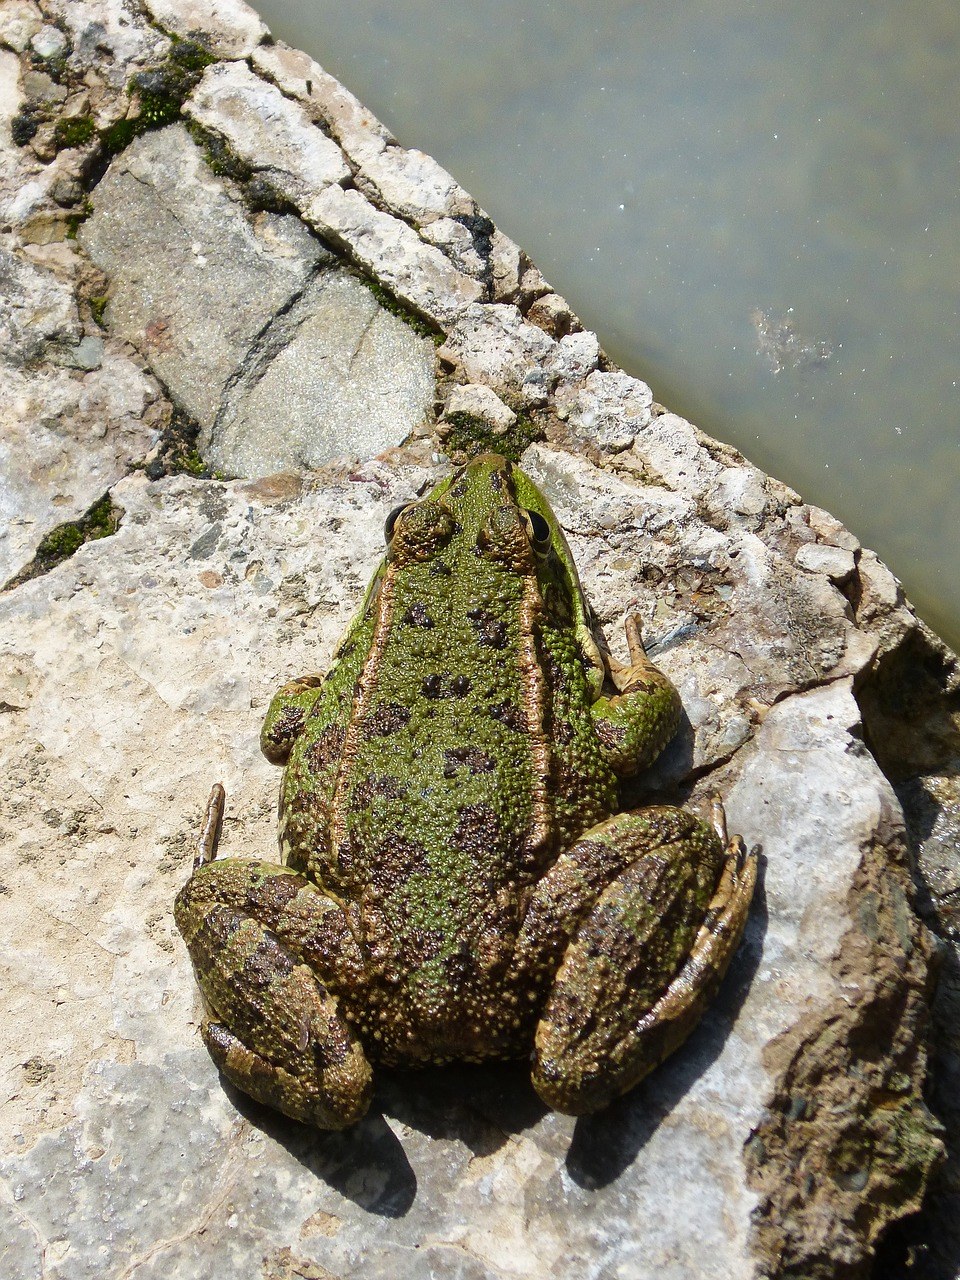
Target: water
[(757, 208)]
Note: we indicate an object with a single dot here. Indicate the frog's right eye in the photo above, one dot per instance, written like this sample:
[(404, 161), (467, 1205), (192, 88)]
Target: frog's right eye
[(538, 529), (390, 523)]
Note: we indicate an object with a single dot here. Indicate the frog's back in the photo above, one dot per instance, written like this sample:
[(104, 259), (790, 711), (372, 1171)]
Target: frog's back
[(433, 801)]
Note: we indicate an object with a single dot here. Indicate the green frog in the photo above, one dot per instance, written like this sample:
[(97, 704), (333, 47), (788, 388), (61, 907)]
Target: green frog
[(457, 880)]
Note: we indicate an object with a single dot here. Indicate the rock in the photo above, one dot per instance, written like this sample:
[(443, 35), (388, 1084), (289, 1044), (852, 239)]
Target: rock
[(193, 282), (493, 345), (19, 23), (418, 273), (835, 562), (357, 130), (789, 1134), (412, 185), (192, 630), (87, 354), (608, 409), (302, 401), (229, 27), (64, 439), (552, 314), (272, 134), (481, 403), (283, 359), (48, 42)]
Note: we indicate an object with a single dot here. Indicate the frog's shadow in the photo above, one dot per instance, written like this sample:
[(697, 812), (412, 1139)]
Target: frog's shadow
[(484, 1106)]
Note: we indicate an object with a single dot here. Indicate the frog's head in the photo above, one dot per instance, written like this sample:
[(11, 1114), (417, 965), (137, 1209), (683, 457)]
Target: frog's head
[(488, 507), (491, 511)]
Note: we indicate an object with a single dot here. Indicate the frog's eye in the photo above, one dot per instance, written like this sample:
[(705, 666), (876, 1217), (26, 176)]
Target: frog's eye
[(538, 529), (390, 523)]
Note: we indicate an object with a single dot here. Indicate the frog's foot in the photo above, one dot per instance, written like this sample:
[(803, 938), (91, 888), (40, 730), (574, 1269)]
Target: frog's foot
[(646, 953), (286, 715), (639, 720), (263, 941)]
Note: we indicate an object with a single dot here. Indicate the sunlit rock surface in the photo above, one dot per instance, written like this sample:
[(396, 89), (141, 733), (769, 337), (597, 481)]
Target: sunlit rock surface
[(267, 286)]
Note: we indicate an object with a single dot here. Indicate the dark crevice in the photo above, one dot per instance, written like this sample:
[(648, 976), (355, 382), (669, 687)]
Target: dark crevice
[(910, 704), (99, 521)]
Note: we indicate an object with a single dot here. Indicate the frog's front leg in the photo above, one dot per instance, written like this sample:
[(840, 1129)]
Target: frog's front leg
[(269, 950), (640, 719), (638, 922), (288, 710)]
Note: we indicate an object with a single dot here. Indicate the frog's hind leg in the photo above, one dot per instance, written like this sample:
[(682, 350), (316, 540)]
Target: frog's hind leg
[(265, 943), (657, 903)]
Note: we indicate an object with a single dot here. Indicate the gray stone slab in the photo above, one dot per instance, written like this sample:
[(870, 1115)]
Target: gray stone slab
[(193, 282), (336, 375), (283, 357)]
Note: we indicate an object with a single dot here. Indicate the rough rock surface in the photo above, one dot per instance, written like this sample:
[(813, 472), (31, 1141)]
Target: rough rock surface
[(284, 358), (211, 314)]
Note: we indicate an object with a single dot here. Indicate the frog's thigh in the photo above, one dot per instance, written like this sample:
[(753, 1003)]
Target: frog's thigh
[(263, 942), (646, 957), (289, 708)]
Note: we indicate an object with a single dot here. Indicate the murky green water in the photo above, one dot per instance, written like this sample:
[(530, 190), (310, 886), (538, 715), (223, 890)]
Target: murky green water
[(701, 180)]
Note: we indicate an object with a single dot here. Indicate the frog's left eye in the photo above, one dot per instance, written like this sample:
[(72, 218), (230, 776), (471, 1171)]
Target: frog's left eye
[(390, 523), (538, 530)]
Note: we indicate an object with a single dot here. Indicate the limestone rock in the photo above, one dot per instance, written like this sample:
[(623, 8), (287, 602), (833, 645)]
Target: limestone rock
[(338, 375), (357, 130), (198, 609), (417, 272), (272, 134), (608, 408), (283, 358), (230, 27), (193, 282), (68, 431), (493, 345), (412, 185), (480, 402)]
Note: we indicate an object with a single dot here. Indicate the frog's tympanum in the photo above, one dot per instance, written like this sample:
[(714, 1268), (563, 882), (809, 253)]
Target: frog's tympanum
[(458, 882)]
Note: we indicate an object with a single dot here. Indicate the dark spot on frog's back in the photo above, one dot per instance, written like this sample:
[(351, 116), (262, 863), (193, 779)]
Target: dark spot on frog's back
[(460, 485), (459, 969), (491, 632), (432, 686), (417, 616), (478, 828), (394, 861), (508, 715), (327, 748), (469, 758), (385, 719), (423, 945), (377, 786)]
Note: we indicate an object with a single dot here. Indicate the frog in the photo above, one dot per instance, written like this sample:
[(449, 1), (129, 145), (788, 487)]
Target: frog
[(458, 880)]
